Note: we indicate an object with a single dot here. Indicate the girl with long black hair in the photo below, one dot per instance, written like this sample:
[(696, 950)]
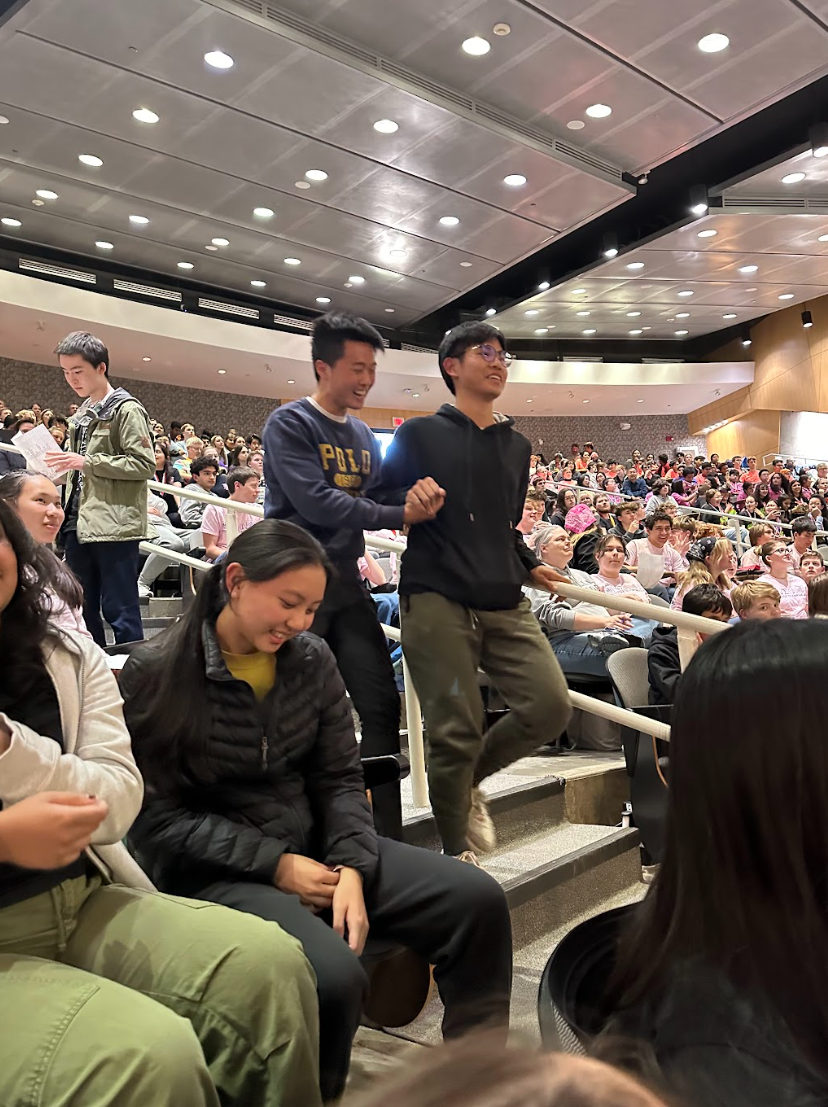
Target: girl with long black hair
[(117, 996), (255, 796), (723, 973)]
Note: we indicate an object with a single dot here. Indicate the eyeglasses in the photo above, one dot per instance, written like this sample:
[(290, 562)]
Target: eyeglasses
[(491, 355)]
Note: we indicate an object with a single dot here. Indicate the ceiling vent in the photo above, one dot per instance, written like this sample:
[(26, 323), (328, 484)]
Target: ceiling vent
[(42, 269), (147, 290), (228, 309)]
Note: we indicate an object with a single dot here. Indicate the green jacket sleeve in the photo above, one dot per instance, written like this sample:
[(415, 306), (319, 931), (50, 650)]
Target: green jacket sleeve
[(135, 459)]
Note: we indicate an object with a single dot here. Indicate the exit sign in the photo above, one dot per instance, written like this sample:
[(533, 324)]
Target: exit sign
[(397, 421)]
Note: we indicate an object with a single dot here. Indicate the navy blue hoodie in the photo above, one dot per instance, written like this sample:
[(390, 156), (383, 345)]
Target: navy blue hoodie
[(319, 471), (472, 552)]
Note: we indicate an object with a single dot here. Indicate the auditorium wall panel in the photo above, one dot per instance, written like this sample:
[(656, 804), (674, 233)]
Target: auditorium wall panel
[(648, 433), (23, 383)]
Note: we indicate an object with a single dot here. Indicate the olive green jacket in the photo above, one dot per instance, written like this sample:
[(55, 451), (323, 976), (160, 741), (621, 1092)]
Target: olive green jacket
[(120, 459)]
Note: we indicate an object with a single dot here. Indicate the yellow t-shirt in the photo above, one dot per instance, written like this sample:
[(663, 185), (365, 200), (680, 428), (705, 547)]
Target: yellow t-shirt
[(256, 669)]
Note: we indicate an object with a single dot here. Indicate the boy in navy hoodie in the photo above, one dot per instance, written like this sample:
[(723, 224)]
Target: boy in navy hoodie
[(461, 590), (321, 465)]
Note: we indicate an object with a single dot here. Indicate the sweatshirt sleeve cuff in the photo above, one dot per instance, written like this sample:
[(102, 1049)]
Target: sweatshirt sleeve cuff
[(390, 517)]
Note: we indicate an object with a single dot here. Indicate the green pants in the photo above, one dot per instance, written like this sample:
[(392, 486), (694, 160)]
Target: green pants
[(136, 999), (444, 645)]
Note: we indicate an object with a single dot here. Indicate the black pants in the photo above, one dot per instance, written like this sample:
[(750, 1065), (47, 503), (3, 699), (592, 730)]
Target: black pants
[(108, 572), (452, 914), (348, 622)]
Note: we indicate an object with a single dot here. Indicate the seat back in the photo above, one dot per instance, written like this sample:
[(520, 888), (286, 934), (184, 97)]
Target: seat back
[(647, 764), (572, 1007), (628, 675), (823, 552), (658, 601)]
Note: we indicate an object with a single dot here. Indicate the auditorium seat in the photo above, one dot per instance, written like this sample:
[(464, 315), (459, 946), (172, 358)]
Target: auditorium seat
[(571, 999)]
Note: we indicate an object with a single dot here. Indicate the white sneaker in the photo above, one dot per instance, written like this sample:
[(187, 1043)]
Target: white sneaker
[(481, 833), (144, 591)]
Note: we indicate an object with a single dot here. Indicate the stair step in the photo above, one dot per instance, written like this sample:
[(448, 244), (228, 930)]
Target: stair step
[(168, 607), (517, 809)]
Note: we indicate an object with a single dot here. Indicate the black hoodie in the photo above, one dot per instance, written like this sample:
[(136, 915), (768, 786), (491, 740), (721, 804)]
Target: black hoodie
[(472, 552)]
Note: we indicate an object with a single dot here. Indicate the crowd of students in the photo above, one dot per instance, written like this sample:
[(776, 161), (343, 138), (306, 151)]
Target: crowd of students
[(224, 768)]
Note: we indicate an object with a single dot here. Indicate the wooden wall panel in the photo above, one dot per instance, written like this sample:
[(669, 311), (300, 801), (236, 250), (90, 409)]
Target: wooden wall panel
[(757, 433)]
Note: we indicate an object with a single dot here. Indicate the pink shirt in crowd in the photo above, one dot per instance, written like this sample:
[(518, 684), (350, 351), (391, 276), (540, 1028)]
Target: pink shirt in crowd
[(673, 560), (214, 521), (793, 595), (625, 584)]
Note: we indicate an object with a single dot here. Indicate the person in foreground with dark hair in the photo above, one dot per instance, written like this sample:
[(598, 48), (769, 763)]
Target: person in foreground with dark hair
[(461, 582), (663, 661), (109, 460), (723, 972), (117, 995), (37, 502), (255, 796), (321, 467), (480, 1073)]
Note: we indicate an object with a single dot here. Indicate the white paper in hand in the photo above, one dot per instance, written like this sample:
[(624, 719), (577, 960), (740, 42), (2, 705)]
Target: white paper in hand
[(35, 444)]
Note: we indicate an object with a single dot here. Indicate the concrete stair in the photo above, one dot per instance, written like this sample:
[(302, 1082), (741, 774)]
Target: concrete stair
[(555, 871)]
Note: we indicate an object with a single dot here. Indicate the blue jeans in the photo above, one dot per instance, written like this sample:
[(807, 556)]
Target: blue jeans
[(578, 657), (108, 572)]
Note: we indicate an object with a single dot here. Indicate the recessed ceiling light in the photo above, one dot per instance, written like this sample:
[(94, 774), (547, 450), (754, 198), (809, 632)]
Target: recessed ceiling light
[(316, 175), (793, 178), (633, 314), (542, 287), (221, 372), (532, 311), (709, 233), (748, 268), (584, 401), (730, 315), (357, 280), (398, 255), (386, 126), (751, 290), (680, 333), (139, 220), (686, 292), (576, 125), (514, 180), (578, 291), (104, 245), (323, 299), (636, 265), (292, 261), (646, 328), (713, 44), (599, 111), (542, 330), (591, 330), (301, 184), (212, 249), (530, 401), (639, 401), (823, 238), (390, 310), (3, 120), (699, 209), (682, 315), (185, 265), (489, 311), (259, 284), (787, 296), (636, 332), (415, 395), (220, 241), (46, 194), (477, 46), (291, 382), (90, 159), (219, 60), (582, 314), (449, 221), (146, 359), (263, 213), (466, 264), (144, 115)]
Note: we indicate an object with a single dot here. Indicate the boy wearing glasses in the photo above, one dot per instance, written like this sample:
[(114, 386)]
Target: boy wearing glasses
[(461, 590)]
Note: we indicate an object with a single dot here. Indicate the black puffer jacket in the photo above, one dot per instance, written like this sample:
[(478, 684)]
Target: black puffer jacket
[(279, 777)]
